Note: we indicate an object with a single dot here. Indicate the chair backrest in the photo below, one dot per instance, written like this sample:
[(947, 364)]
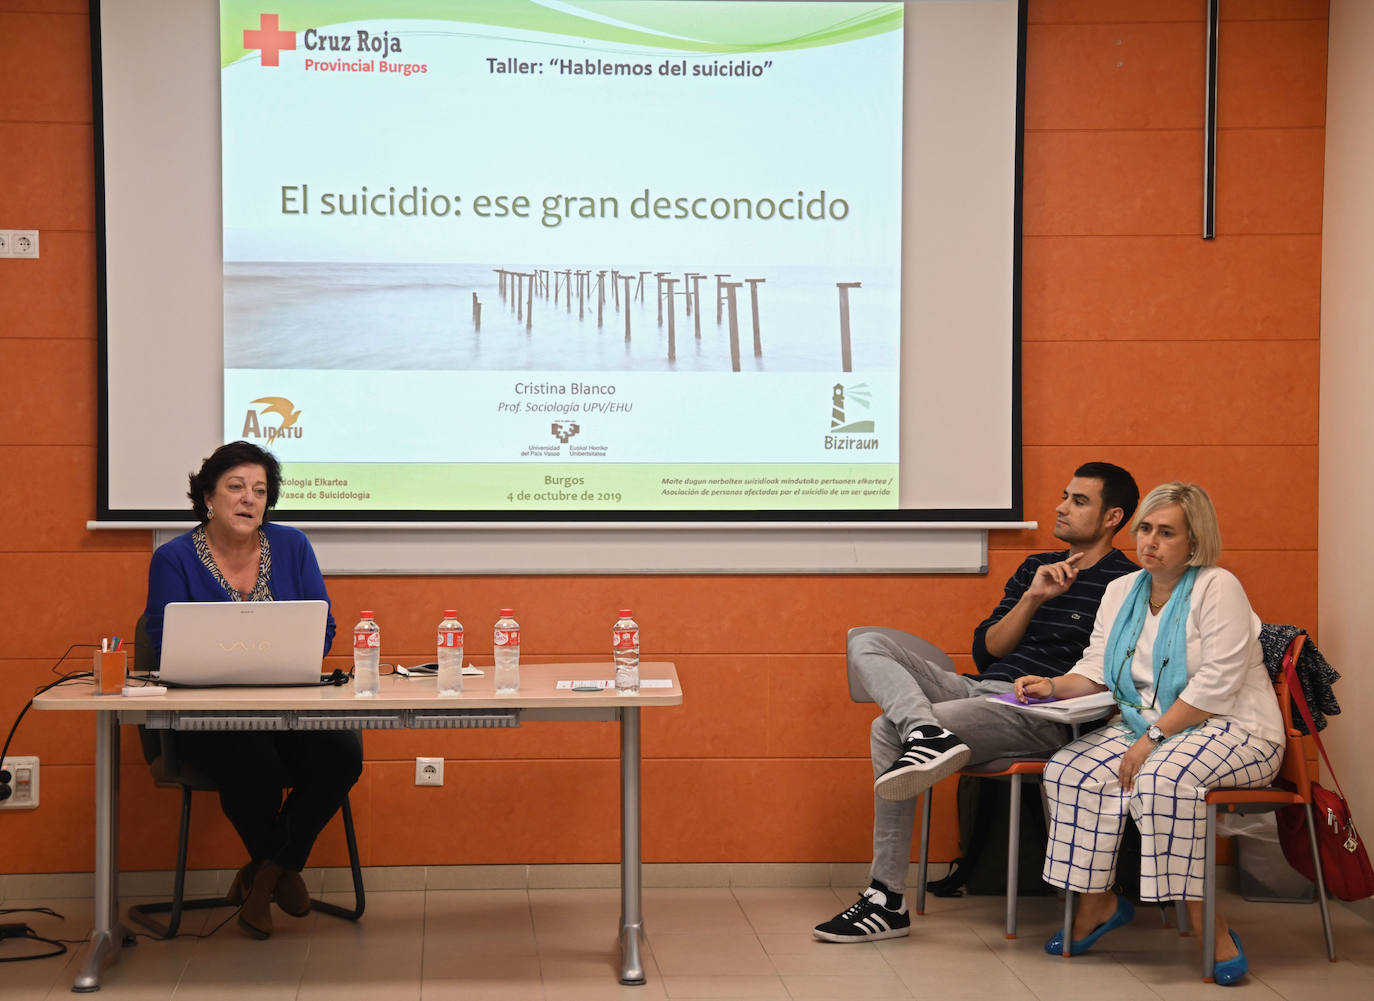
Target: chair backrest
[(1294, 769)]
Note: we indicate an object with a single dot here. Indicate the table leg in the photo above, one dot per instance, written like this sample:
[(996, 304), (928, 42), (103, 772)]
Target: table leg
[(108, 933), (631, 897)]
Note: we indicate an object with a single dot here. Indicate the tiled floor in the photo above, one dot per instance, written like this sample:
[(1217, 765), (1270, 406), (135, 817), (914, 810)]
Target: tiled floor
[(746, 943)]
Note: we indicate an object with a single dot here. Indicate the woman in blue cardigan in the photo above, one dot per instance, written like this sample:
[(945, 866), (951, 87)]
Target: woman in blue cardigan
[(234, 555)]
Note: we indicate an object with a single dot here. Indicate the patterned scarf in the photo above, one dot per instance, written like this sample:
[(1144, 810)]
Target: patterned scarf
[(262, 587), (1170, 652)]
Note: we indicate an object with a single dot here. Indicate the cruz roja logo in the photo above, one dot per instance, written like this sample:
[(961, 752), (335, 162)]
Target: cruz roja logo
[(280, 406), (563, 431), (863, 396), (271, 40)]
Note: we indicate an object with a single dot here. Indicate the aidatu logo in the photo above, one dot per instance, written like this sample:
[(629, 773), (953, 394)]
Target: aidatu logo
[(255, 421), (367, 51)]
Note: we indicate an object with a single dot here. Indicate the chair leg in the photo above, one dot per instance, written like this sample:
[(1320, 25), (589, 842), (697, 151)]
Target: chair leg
[(1209, 897), (1321, 884), (924, 857), (1181, 918), (143, 913), (1068, 922), (359, 898), (1013, 854)]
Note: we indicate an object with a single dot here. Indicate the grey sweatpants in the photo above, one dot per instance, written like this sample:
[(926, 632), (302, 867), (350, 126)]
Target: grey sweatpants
[(914, 683)]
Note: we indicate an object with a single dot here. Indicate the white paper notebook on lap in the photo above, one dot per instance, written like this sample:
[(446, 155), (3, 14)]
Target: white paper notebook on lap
[(216, 643)]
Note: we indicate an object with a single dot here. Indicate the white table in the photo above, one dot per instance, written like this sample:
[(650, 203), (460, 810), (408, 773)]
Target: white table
[(402, 703)]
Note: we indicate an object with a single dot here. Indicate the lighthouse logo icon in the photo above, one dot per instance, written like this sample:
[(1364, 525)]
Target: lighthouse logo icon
[(859, 394)]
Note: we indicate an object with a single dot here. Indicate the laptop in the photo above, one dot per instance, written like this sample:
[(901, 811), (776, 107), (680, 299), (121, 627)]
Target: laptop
[(215, 643)]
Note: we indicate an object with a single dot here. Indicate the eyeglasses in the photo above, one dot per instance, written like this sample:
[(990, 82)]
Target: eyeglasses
[(1130, 654)]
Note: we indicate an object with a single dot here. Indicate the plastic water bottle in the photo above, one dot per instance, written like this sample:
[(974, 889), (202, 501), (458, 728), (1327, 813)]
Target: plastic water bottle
[(506, 643), (367, 656), (450, 656), (625, 650)]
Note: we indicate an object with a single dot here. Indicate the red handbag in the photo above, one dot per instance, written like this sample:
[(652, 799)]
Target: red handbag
[(1345, 863)]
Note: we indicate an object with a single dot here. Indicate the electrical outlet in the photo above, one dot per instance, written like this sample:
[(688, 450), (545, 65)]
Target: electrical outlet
[(23, 243), (23, 783), (4, 243), (429, 771)]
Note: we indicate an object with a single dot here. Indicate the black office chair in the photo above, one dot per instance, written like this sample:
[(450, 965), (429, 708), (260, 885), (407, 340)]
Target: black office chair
[(169, 772)]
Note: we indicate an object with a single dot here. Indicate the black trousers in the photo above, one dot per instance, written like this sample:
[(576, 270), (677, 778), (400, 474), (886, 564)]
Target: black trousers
[(251, 770)]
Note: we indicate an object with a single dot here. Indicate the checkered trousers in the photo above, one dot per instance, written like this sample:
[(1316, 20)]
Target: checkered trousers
[(1088, 807)]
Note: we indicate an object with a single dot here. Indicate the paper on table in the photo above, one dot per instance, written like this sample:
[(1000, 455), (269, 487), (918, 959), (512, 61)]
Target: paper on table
[(603, 683), (1085, 707)]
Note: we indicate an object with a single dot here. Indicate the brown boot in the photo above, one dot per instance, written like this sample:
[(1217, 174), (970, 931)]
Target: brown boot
[(292, 896), (255, 916), (243, 883)]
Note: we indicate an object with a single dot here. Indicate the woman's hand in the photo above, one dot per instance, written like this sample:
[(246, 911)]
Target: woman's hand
[(1032, 686), (1132, 760)]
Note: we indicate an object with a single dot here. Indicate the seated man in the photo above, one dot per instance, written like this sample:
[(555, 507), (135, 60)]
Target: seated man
[(934, 721)]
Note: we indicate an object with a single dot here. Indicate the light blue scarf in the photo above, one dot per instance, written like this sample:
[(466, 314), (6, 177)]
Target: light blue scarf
[(1170, 652)]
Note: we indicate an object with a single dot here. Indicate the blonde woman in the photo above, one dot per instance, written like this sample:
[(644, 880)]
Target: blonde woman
[(1178, 645)]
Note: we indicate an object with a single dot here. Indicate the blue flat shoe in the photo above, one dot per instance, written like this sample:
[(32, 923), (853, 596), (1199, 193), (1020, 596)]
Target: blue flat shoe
[(1233, 969), (1125, 914)]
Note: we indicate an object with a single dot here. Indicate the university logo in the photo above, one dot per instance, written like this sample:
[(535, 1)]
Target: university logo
[(563, 431), (255, 422)]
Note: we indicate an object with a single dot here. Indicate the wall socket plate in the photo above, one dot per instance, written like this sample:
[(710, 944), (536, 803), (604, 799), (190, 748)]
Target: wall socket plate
[(18, 243), (23, 783), (429, 771)]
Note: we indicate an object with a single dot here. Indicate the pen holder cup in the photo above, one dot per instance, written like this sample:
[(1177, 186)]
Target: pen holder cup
[(110, 668)]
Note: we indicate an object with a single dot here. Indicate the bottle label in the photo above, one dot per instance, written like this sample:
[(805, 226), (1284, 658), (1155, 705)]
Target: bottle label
[(361, 641), (507, 637), (624, 638), (451, 638)]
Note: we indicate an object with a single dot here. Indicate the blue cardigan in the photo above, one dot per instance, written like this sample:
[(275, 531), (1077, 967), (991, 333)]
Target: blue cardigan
[(176, 574)]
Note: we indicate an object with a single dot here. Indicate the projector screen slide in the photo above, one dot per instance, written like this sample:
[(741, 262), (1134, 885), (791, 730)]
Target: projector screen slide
[(533, 259)]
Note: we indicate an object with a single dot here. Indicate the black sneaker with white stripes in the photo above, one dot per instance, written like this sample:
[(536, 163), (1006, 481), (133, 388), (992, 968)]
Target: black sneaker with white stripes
[(879, 913), (928, 755)]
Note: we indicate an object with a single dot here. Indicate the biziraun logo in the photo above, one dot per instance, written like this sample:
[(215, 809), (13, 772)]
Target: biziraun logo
[(844, 433), (841, 394)]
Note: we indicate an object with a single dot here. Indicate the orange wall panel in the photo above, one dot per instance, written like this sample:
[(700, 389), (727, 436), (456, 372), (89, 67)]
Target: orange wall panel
[(49, 390), (1099, 288), (1164, 393), (54, 296), (49, 176), (1114, 76), (30, 43), (65, 476)]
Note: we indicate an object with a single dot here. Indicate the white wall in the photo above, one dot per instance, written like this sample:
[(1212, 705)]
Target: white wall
[(1345, 579)]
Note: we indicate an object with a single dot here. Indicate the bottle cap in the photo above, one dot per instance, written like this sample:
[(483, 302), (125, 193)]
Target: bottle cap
[(506, 613), (365, 615), (450, 613), (627, 613)]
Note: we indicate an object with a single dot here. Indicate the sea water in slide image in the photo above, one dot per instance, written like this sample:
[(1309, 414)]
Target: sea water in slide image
[(485, 317)]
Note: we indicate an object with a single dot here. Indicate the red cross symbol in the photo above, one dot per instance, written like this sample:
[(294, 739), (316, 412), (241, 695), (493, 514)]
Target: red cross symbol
[(269, 39)]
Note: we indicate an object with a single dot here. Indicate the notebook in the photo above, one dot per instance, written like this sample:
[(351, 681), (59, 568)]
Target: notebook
[(213, 643)]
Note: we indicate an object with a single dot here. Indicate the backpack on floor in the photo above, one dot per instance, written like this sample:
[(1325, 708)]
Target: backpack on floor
[(981, 868)]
